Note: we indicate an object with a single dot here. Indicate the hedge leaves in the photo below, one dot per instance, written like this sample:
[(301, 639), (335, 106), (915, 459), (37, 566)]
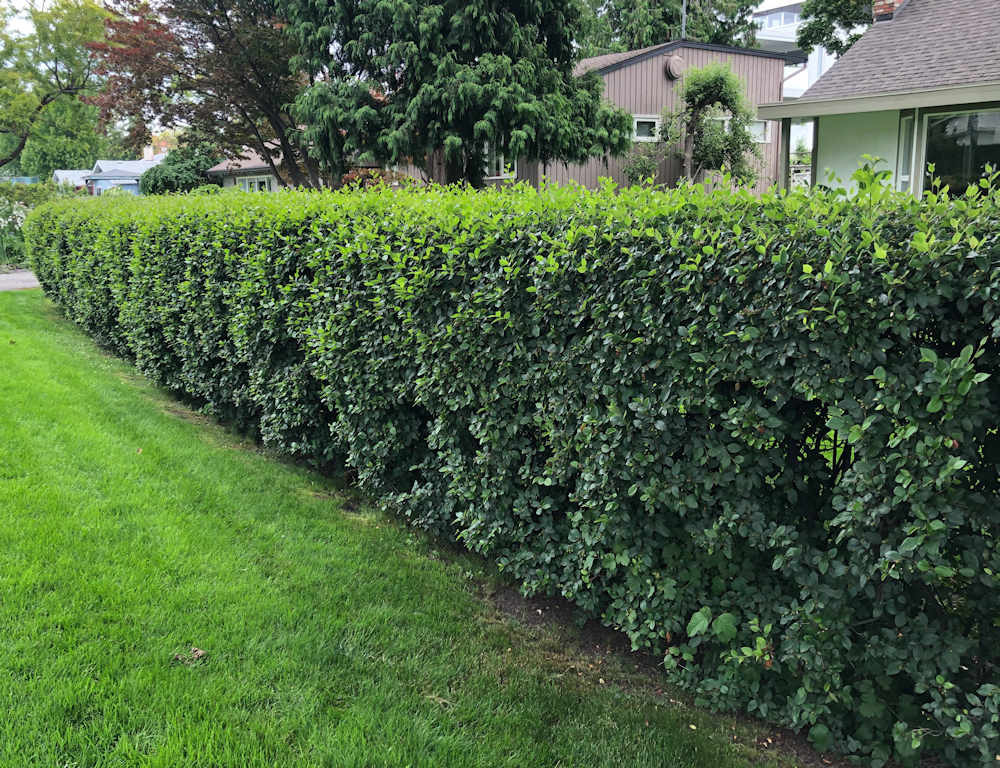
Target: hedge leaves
[(758, 435)]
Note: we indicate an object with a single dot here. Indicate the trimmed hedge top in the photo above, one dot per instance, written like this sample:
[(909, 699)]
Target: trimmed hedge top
[(759, 435)]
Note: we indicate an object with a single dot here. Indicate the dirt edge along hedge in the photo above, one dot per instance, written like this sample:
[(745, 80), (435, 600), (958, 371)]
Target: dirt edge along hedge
[(757, 435)]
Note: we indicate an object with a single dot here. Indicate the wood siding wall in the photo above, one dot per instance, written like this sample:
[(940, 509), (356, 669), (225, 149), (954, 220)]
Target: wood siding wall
[(643, 89)]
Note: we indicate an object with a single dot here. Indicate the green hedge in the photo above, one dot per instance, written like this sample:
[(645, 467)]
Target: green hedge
[(759, 435)]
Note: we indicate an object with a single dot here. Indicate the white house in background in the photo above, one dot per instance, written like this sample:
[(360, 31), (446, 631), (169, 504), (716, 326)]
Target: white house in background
[(778, 23), (123, 174), (251, 173), (75, 179), (921, 86)]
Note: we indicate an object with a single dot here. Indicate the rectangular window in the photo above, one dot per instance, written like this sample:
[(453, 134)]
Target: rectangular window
[(255, 183), (960, 145), (906, 125), (497, 166), (645, 127), (761, 131)]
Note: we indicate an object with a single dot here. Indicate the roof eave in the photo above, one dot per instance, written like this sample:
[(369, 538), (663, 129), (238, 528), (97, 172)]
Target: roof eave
[(880, 102), (673, 45)]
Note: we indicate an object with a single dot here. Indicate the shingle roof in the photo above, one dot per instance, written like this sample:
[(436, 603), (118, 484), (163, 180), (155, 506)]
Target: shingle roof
[(611, 61), (132, 166), (600, 62), (928, 44), (76, 178), (249, 161), (114, 173)]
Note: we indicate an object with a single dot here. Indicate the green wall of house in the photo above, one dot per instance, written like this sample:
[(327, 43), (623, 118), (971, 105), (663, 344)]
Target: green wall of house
[(843, 139)]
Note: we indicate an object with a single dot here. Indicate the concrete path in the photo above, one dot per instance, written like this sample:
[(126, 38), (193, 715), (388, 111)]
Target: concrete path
[(17, 280)]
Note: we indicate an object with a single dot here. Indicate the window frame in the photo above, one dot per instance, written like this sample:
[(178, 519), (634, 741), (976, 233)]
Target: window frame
[(656, 120), (244, 181), (767, 138), (918, 174), (509, 169)]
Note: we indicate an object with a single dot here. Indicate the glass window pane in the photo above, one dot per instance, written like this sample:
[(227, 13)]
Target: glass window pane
[(960, 147), (645, 129), (906, 125), (758, 129)]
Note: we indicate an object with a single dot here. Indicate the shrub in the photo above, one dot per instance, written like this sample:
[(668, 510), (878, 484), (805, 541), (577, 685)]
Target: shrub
[(758, 435), (15, 202)]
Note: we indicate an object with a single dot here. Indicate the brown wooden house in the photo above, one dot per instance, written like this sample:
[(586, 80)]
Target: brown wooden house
[(645, 82)]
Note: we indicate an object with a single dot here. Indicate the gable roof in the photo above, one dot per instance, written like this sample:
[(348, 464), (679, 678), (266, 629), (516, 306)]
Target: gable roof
[(610, 62), (76, 178), (250, 161), (138, 167), (948, 50)]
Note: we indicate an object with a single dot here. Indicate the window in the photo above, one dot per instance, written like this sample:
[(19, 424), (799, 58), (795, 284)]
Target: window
[(497, 166), (960, 145), (760, 130), (645, 127), (255, 183), (906, 124)]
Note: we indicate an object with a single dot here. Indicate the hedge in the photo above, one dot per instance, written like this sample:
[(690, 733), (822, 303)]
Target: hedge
[(758, 435)]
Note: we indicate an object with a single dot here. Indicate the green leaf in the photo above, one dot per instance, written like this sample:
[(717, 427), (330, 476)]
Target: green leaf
[(699, 622), (724, 627)]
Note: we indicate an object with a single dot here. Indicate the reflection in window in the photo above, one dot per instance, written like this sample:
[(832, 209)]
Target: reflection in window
[(645, 127), (256, 184), (905, 153), (960, 146)]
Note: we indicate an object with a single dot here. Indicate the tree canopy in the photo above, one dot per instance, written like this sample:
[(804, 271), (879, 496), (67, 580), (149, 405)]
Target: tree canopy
[(621, 25), (183, 169), (398, 79), (49, 62), (221, 69), (832, 24)]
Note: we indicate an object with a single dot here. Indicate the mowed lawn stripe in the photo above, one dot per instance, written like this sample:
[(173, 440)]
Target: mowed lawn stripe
[(133, 531)]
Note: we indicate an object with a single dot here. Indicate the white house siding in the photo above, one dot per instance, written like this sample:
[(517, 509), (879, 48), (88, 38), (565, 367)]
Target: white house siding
[(843, 139)]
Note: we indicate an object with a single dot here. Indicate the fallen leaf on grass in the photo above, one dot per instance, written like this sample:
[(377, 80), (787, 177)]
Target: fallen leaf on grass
[(193, 656)]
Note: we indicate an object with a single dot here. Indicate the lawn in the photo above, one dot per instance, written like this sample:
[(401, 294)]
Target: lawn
[(133, 531)]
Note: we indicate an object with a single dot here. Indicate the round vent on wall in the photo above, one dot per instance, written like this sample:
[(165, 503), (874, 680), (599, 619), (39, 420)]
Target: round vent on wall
[(674, 67)]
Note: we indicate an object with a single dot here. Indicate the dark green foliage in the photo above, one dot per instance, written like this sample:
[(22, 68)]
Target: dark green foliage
[(621, 25), (182, 170), (830, 24), (758, 435), (399, 79)]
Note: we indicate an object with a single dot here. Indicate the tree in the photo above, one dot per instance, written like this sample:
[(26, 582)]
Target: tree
[(50, 62), (620, 25), (66, 136), (218, 68), (183, 169), (397, 79), (715, 124), (832, 24)]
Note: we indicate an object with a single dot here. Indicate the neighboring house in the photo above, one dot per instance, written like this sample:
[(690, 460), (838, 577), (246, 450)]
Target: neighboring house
[(647, 81), (123, 174), (921, 86), (251, 173), (778, 23), (75, 179)]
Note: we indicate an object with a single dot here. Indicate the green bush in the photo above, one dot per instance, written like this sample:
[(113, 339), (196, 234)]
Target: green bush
[(16, 200), (758, 435)]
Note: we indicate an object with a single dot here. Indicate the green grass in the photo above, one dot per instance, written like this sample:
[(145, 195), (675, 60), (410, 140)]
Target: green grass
[(132, 530)]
